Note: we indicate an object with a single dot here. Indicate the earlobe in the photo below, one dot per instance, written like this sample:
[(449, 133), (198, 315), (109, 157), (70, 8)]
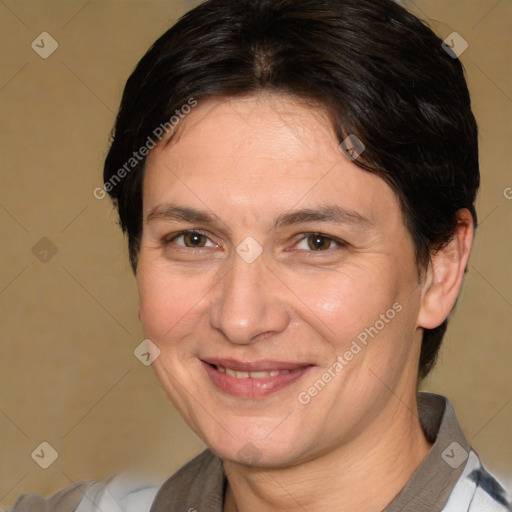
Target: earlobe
[(445, 274)]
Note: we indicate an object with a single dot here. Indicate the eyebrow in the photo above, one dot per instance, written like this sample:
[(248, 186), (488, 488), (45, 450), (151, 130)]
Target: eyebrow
[(327, 213)]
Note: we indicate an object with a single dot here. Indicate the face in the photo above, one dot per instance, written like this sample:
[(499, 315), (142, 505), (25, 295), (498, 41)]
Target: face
[(277, 280)]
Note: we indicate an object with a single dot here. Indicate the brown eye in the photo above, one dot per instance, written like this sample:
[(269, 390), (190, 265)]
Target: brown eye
[(318, 242), (190, 240), (194, 240)]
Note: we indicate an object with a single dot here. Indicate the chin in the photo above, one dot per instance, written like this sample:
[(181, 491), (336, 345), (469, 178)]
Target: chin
[(248, 451)]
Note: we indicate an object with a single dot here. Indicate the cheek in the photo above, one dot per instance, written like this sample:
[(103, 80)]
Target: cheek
[(341, 304), (168, 302)]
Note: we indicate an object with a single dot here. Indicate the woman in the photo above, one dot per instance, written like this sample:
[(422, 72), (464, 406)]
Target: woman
[(297, 183)]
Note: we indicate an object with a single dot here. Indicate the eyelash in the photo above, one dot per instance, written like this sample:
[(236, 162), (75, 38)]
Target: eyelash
[(170, 238)]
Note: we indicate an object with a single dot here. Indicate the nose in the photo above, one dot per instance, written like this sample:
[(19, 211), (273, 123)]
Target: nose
[(246, 305)]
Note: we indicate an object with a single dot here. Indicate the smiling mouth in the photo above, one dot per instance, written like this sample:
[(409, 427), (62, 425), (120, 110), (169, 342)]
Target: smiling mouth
[(254, 380)]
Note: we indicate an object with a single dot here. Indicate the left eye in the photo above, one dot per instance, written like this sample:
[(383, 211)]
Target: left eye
[(317, 242), (191, 239)]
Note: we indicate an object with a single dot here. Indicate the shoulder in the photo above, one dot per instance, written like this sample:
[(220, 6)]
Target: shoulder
[(66, 500), (125, 492), (118, 494), (478, 489), (489, 494)]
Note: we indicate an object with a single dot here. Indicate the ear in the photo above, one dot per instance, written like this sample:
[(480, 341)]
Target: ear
[(445, 273)]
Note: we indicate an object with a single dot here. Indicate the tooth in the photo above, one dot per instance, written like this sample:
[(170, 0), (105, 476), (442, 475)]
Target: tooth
[(259, 375), (253, 375)]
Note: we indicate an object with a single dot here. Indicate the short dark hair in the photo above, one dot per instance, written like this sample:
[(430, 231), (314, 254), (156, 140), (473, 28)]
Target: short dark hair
[(380, 73)]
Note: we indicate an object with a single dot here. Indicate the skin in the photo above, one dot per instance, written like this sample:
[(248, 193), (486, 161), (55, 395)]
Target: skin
[(247, 160)]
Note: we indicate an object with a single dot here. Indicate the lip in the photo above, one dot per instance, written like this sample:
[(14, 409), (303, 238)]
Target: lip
[(254, 366), (250, 387)]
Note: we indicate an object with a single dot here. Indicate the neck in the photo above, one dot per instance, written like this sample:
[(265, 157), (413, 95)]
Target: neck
[(363, 475)]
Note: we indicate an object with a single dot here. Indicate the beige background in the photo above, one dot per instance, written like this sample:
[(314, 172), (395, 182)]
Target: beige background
[(69, 326)]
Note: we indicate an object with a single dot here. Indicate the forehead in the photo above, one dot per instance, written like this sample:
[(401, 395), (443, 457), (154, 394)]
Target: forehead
[(274, 126), (258, 153)]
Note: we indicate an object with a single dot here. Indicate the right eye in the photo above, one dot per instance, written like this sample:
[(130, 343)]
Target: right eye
[(191, 239)]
